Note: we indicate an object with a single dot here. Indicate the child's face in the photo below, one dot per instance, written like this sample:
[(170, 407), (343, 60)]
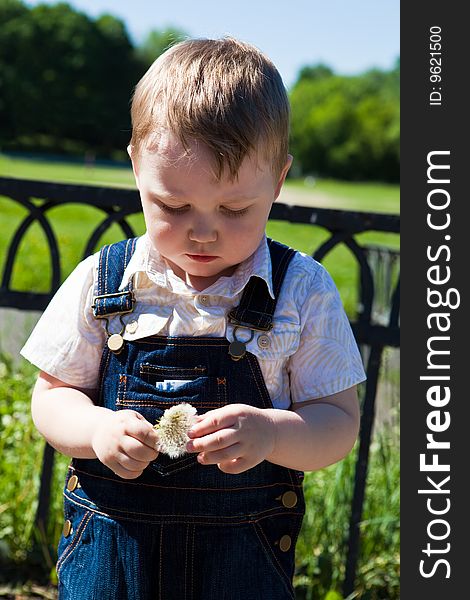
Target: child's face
[(202, 227)]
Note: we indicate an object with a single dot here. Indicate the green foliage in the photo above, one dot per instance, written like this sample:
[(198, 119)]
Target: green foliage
[(66, 80), (346, 127), (157, 42), (314, 72), (10, 9)]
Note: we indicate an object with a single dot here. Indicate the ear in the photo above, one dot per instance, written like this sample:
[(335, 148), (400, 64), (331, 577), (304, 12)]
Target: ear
[(283, 175), (133, 157)]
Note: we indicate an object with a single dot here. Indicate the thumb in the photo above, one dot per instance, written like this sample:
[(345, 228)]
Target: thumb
[(148, 435), (145, 423), (150, 438)]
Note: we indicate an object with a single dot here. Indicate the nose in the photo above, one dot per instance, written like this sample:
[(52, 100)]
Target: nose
[(203, 233)]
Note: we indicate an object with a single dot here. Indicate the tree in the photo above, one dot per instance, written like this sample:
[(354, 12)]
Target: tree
[(315, 72), (10, 9), (346, 127), (157, 42), (67, 80)]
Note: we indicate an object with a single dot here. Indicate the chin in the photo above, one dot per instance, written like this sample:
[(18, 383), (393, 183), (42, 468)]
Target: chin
[(202, 272)]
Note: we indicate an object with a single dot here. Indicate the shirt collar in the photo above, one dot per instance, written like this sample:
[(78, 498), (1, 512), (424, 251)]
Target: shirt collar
[(147, 260)]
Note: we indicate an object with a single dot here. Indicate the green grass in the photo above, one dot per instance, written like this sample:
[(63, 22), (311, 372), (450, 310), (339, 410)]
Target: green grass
[(345, 195), (365, 196), (69, 172)]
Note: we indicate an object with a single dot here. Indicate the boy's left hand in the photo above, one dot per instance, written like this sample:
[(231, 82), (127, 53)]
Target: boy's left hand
[(235, 437)]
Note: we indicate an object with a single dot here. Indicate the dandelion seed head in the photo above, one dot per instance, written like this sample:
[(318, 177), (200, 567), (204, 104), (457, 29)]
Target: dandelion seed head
[(173, 429)]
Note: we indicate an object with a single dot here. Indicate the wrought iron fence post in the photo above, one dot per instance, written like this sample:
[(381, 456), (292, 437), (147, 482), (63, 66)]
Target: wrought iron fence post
[(367, 421), (42, 512)]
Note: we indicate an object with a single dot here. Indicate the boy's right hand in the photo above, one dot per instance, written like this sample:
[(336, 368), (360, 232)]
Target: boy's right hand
[(125, 442)]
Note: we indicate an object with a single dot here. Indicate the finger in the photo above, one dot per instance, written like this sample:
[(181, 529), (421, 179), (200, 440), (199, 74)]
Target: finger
[(234, 467), (227, 454), (129, 463), (214, 441), (137, 450), (213, 420), (198, 418), (125, 474), (121, 471), (142, 430)]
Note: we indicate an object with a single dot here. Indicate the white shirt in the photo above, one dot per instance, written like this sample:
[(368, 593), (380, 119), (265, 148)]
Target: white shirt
[(311, 351)]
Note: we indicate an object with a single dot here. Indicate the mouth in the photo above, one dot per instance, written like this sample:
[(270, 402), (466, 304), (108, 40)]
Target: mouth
[(201, 257)]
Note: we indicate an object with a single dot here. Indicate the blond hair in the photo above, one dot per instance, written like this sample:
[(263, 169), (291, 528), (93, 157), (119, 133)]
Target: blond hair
[(224, 93)]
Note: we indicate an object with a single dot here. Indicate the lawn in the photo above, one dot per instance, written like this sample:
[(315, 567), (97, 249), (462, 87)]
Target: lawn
[(366, 196), (346, 195), (73, 223)]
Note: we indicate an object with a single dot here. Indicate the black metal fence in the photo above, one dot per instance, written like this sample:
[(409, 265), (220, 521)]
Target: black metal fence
[(376, 326)]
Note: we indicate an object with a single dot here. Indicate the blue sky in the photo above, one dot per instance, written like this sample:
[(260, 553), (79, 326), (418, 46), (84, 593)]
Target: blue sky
[(349, 36)]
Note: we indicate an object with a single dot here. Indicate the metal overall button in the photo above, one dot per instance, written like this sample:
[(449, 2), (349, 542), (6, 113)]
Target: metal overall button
[(72, 483), (67, 529), (237, 348), (285, 543), (289, 499), (115, 340)]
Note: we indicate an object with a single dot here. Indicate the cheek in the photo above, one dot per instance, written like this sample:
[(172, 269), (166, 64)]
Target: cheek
[(245, 230), (154, 222), (163, 235), (248, 226)]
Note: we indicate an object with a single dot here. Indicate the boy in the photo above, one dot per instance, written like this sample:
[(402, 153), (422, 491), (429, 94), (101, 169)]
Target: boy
[(202, 309)]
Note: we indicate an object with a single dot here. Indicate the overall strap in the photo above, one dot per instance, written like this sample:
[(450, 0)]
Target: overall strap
[(113, 261), (256, 308)]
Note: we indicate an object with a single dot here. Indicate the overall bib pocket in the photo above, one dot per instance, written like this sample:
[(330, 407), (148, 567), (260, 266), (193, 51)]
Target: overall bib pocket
[(153, 373), (158, 388)]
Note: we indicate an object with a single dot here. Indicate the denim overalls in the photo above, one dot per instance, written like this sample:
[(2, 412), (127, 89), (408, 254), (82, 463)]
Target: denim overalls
[(181, 530)]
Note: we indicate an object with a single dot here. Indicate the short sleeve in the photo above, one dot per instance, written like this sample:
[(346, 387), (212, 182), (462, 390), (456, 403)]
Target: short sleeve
[(327, 360), (67, 341)]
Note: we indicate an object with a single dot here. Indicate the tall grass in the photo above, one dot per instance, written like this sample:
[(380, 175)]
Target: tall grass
[(21, 452), (321, 549)]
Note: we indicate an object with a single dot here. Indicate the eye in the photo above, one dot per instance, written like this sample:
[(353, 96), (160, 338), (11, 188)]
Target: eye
[(235, 213), (172, 210)]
